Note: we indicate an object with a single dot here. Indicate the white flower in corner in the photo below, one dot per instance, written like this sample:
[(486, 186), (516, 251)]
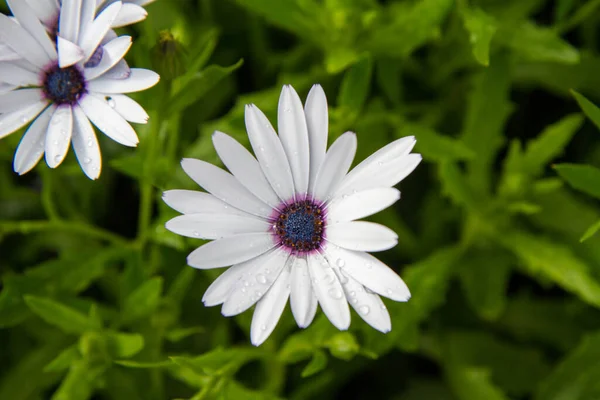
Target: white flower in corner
[(62, 87), (287, 222)]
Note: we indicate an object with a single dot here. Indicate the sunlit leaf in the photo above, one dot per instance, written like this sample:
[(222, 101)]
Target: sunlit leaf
[(481, 28), (61, 316), (585, 178), (143, 300), (589, 108), (316, 364), (591, 231)]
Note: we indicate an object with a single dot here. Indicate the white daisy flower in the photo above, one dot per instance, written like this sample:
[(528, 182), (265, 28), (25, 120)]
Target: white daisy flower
[(287, 222), (62, 91)]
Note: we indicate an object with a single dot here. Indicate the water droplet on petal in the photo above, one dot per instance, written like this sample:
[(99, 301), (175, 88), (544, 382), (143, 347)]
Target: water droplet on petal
[(87, 160), (352, 293), (63, 132), (340, 262), (90, 143), (259, 293), (56, 121), (261, 148), (246, 283), (23, 119), (57, 158), (260, 278), (369, 265), (55, 142), (383, 307), (354, 301), (263, 327), (364, 310), (111, 102), (389, 291), (196, 233), (335, 293)]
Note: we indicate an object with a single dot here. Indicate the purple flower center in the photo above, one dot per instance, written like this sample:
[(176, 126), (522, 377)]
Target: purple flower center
[(63, 85), (300, 226)]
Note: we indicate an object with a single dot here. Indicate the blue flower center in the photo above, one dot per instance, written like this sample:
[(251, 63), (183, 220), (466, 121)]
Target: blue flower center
[(300, 226), (64, 85)]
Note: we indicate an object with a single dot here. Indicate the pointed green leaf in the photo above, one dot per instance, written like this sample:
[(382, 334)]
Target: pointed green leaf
[(577, 373), (355, 86), (590, 109), (455, 185), (176, 335), (581, 177), (473, 383), (64, 360), (435, 146), (343, 345), (124, 345), (536, 43), (481, 28), (591, 231), (484, 278), (80, 382), (554, 261), (143, 301), (61, 316), (316, 364), (217, 362), (144, 365), (549, 144)]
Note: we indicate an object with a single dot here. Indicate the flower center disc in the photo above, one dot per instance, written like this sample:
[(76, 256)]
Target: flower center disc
[(300, 226), (63, 85)]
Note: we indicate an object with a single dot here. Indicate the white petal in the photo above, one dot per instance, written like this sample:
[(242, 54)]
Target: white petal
[(389, 164), (215, 226), (128, 108), (14, 121), (251, 286), (93, 34), (18, 76), (120, 71), (367, 304), (370, 272), (219, 290), (68, 22), (59, 135), (68, 53), (230, 250), (85, 144), (8, 54), (88, 11), (269, 151), (29, 21), (224, 186), (293, 134), (6, 87), (302, 298), (244, 167), (46, 10), (19, 99), (329, 291), (31, 147), (108, 121), (19, 40), (129, 14), (193, 201), (317, 121), (112, 53), (269, 309), (362, 236), (361, 204), (139, 79), (335, 166)]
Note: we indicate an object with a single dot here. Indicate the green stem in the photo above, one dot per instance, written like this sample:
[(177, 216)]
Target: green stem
[(47, 201), (26, 227), (578, 17)]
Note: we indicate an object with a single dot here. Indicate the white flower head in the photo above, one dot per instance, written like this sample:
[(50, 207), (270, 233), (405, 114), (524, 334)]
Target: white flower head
[(64, 86), (287, 222)]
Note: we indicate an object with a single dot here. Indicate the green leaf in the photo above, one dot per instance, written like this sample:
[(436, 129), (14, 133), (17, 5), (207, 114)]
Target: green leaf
[(484, 277), (581, 177), (408, 27), (198, 86), (80, 382), (316, 364), (589, 108), (65, 318), (455, 185), (549, 144), (481, 28), (124, 345), (473, 383), (591, 231), (343, 345), (234, 390), (536, 43), (433, 145), (143, 301), (577, 373), (64, 360), (554, 261), (144, 365), (487, 112), (217, 362), (355, 86), (176, 335)]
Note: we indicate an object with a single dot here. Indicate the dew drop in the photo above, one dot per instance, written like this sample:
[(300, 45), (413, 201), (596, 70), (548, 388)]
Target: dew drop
[(267, 271), (244, 290), (57, 158), (23, 119), (111, 102), (263, 327), (352, 293), (225, 206), (335, 293), (287, 110), (90, 143), (56, 120), (87, 160), (383, 307), (260, 278), (344, 196), (389, 291), (63, 132), (340, 262), (343, 277), (246, 283), (364, 310), (259, 293), (380, 163), (369, 265), (196, 233), (261, 148), (55, 142), (354, 301)]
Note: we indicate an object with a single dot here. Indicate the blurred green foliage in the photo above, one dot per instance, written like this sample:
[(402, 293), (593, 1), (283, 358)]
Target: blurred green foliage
[(500, 254)]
